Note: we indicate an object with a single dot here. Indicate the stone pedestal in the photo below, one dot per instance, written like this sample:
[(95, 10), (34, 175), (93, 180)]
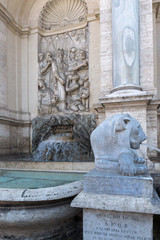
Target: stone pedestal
[(110, 225), (116, 207), (102, 182)]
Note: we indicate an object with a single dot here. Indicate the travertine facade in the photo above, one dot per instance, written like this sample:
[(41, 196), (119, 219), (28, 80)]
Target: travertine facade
[(30, 87)]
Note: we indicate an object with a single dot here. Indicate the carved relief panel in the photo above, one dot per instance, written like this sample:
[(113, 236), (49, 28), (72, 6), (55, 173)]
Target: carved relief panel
[(63, 72), (63, 81)]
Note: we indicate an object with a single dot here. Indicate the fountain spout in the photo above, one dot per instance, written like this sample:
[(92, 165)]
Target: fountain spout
[(149, 146)]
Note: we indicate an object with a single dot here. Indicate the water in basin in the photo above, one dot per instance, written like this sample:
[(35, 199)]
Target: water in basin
[(19, 179)]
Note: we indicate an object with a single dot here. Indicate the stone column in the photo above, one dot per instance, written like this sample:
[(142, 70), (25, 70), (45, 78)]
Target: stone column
[(3, 64), (125, 34)]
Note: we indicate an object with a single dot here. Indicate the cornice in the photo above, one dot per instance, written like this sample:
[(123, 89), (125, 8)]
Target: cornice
[(14, 117), (77, 26), (90, 18), (8, 19), (155, 1)]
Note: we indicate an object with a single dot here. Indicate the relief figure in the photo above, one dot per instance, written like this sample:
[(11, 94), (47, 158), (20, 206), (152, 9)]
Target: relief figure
[(61, 66), (84, 93), (72, 88), (82, 61), (41, 65), (46, 71), (47, 99)]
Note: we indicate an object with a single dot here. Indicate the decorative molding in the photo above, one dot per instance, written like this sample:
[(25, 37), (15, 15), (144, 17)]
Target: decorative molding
[(62, 30), (155, 1), (156, 9), (14, 117), (62, 13), (6, 17), (89, 18)]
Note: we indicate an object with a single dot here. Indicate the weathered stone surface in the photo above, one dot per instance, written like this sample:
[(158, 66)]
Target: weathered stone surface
[(62, 13), (3, 64), (125, 39), (63, 82), (41, 194), (114, 143), (109, 225), (103, 182), (63, 138), (38, 213), (118, 203)]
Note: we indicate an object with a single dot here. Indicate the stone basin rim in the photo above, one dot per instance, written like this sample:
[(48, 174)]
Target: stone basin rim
[(41, 194)]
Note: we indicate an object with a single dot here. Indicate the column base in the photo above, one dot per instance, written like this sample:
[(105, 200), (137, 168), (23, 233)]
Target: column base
[(126, 87)]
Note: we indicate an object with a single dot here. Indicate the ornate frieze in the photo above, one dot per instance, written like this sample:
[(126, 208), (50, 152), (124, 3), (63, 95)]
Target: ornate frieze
[(63, 82)]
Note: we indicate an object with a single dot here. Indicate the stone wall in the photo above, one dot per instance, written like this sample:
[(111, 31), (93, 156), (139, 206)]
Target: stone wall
[(14, 115)]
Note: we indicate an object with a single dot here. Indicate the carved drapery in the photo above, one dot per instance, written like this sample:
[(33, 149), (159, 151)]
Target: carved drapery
[(63, 83)]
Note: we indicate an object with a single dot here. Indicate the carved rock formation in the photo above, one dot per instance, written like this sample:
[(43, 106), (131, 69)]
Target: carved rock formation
[(63, 138)]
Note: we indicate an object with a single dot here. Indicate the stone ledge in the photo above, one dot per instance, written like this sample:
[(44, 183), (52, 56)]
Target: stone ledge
[(118, 203), (25, 164), (40, 194), (14, 117), (121, 98), (126, 96)]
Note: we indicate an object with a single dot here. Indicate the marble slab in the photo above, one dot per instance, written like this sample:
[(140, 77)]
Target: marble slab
[(103, 182), (125, 35), (110, 225)]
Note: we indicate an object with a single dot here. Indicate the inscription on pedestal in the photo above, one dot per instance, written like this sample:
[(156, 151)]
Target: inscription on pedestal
[(107, 225)]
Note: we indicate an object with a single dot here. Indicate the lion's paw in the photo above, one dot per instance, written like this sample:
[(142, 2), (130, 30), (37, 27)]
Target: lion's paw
[(126, 165), (139, 160), (141, 169)]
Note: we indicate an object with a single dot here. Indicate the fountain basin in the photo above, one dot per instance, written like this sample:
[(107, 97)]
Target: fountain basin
[(38, 212)]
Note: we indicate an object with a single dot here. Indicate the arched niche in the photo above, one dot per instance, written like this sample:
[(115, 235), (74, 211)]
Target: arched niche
[(63, 49)]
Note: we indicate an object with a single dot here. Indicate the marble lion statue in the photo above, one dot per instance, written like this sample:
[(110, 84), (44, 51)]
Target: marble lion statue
[(114, 143)]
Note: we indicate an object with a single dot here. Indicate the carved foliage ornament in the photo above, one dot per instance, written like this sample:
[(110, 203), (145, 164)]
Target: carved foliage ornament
[(61, 13)]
